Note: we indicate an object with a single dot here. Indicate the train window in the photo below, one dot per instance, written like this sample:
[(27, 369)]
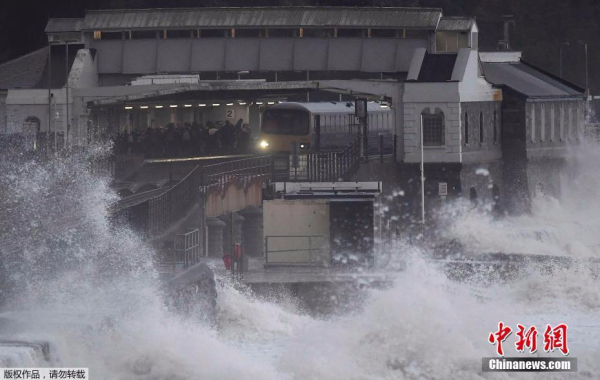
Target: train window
[(285, 122)]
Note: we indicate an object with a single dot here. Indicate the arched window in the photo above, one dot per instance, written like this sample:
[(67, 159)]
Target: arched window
[(433, 128), (495, 127), (481, 127), (466, 128), (32, 124)]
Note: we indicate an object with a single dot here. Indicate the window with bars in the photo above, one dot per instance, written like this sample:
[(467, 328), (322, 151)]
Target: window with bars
[(433, 129)]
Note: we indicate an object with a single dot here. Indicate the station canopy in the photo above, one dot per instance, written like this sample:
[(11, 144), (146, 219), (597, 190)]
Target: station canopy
[(210, 91)]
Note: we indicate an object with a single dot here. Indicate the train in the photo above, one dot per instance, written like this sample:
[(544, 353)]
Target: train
[(291, 127)]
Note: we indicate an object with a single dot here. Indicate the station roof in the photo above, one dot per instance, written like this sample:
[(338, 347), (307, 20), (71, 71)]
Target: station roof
[(32, 70), (437, 67), (529, 80), (455, 24), (348, 17), (62, 25), (24, 72), (203, 90)]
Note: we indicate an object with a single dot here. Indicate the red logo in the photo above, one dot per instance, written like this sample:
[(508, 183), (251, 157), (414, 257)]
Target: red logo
[(554, 338), (500, 336), (526, 339)]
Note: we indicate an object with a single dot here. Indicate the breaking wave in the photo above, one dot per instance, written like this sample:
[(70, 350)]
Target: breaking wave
[(91, 291)]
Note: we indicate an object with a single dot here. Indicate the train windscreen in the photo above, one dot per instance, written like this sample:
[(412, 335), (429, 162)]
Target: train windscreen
[(285, 122)]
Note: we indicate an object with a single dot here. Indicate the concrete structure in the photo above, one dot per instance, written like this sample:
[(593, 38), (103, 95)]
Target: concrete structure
[(542, 120), (321, 224), (137, 69)]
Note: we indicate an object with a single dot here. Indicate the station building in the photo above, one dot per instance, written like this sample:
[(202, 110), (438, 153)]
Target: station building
[(489, 120)]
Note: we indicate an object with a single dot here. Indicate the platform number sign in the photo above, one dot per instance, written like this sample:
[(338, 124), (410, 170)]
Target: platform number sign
[(229, 113), (443, 189)]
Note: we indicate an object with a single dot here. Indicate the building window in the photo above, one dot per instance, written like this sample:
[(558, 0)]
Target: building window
[(32, 125), (214, 33), (385, 33), (495, 126), (143, 34), (342, 32), (552, 122), (285, 33), (317, 33), (481, 127), (433, 128), (97, 35), (112, 35), (182, 33), (416, 33), (532, 110), (451, 41), (249, 33), (466, 128)]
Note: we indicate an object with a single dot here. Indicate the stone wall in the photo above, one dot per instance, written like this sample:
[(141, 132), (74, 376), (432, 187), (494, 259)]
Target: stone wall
[(490, 146)]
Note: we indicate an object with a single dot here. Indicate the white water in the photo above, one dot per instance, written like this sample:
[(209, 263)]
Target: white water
[(96, 298)]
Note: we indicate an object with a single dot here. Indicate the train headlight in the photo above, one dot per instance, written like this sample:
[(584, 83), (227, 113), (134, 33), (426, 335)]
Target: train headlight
[(304, 146), (264, 144)]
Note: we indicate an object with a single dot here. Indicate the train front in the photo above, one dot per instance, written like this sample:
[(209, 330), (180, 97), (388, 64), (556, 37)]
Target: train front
[(285, 129)]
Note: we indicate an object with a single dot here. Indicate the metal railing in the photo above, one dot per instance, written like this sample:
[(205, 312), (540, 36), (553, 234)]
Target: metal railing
[(317, 167), (339, 130), (119, 166), (165, 208), (225, 172)]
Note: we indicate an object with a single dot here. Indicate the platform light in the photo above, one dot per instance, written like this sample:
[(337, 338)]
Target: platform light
[(173, 106), (158, 106), (270, 103), (259, 103), (128, 107), (216, 104), (144, 107), (229, 104), (383, 105), (242, 103), (187, 105), (202, 105)]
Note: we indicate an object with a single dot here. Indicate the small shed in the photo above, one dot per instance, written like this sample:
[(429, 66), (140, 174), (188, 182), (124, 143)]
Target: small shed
[(321, 224)]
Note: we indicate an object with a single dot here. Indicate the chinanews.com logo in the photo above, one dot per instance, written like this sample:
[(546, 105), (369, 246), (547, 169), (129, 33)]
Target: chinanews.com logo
[(554, 340)]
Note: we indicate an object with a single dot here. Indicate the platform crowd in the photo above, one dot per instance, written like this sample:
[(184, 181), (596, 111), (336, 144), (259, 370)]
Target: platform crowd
[(186, 140)]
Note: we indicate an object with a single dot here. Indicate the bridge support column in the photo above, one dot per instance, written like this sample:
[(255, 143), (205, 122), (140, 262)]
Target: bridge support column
[(252, 231), (237, 230), (215, 237)]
